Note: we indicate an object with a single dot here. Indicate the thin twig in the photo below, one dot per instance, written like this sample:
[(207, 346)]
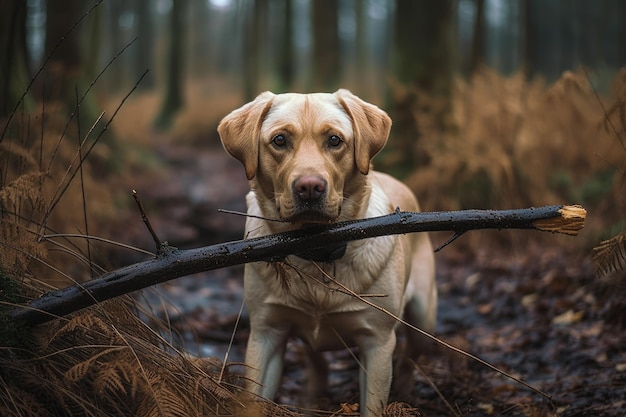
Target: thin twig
[(230, 343), (63, 184), (449, 241), (82, 186), (146, 221), (606, 115), (325, 284), (99, 239), (239, 213), (47, 265), (434, 387)]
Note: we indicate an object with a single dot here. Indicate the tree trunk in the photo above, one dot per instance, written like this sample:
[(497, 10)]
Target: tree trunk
[(477, 54), (422, 65), (326, 47), (361, 63), (172, 263), (255, 48), (174, 86), (14, 74), (65, 79), (528, 38), (286, 58), (144, 52)]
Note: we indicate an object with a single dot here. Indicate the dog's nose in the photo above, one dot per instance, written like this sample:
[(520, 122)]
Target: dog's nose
[(309, 187)]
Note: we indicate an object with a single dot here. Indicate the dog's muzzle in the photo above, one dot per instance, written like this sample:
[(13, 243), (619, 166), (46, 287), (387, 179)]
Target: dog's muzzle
[(310, 193)]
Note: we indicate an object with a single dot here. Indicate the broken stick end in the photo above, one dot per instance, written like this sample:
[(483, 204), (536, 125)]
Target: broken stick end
[(569, 221)]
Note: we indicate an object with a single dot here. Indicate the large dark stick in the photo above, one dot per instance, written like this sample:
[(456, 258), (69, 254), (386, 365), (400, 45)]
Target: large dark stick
[(177, 263)]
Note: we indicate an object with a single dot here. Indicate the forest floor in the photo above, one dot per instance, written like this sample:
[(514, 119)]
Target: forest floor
[(538, 314)]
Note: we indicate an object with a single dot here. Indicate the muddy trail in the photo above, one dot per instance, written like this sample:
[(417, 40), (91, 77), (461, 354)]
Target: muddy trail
[(539, 314)]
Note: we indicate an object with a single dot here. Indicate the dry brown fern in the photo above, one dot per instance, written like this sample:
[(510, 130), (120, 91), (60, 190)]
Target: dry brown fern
[(117, 377), (400, 410), (79, 371), (107, 362), (520, 143), (20, 201), (610, 255)]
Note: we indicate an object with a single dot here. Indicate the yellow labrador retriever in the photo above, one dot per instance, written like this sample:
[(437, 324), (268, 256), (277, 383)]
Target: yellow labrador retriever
[(307, 157)]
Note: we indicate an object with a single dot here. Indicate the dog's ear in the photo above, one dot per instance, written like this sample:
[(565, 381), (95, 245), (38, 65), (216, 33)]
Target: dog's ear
[(371, 128), (240, 130)]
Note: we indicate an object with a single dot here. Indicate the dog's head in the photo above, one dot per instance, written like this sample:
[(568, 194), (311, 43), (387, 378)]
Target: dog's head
[(306, 155)]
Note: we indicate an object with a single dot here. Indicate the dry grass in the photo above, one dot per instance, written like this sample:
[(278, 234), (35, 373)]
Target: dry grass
[(105, 361)]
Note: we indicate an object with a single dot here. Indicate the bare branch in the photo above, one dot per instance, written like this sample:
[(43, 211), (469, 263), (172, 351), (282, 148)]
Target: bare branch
[(146, 221), (177, 263)]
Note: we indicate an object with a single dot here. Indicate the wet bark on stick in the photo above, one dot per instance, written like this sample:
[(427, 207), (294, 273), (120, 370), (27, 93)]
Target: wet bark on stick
[(174, 263)]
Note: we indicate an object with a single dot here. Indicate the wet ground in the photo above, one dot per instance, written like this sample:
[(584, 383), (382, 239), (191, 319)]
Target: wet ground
[(538, 314)]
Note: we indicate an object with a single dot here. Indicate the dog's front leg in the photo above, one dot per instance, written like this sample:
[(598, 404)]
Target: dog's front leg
[(375, 374), (264, 360)]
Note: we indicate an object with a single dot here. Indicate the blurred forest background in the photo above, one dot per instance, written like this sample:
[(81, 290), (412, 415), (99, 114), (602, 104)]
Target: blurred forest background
[(496, 104)]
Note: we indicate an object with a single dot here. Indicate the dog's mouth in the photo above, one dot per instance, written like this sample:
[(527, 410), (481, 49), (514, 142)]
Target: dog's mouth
[(306, 215), (303, 213), (298, 211)]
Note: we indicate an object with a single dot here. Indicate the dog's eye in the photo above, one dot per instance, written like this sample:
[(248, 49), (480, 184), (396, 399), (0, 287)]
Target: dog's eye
[(334, 141), (279, 140)]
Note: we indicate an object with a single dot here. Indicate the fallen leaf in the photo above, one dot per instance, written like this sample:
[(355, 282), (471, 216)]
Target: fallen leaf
[(485, 308), (529, 300), (486, 408), (349, 408), (569, 317)]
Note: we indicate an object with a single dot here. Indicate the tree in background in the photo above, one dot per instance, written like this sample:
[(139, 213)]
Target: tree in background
[(173, 100), (66, 78), (360, 58), (254, 51), (286, 57), (528, 40), (145, 44), (422, 68), (326, 47), (14, 74), (477, 55)]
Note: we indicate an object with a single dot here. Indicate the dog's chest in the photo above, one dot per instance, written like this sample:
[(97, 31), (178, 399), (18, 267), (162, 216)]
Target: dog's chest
[(322, 288)]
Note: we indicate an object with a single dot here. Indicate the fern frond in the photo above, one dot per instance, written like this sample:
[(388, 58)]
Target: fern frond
[(113, 377), (166, 401), (203, 380), (610, 255), (24, 187), (80, 370), (87, 324)]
